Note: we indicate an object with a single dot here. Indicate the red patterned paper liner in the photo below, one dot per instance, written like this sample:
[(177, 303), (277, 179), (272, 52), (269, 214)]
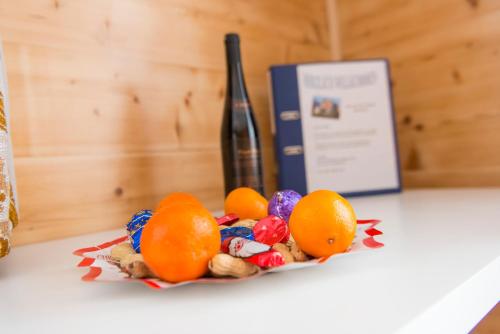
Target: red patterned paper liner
[(95, 270), (370, 241)]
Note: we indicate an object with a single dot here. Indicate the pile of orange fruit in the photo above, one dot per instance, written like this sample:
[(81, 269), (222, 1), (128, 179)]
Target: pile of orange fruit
[(182, 236)]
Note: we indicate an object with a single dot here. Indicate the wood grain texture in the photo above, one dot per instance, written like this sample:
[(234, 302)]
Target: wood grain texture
[(115, 103), (445, 58), (334, 27), (490, 324)]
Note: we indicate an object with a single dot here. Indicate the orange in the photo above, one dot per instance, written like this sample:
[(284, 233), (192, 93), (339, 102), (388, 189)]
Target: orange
[(323, 223), (178, 243), (246, 203), (177, 197)]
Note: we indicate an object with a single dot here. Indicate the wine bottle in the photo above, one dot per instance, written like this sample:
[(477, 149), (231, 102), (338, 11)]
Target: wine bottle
[(241, 155)]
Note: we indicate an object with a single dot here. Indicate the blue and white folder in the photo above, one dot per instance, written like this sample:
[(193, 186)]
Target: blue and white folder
[(334, 127)]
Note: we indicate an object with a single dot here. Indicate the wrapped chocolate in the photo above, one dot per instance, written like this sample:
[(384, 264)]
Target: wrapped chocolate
[(271, 230), (8, 206), (135, 226), (282, 203), (241, 247), (227, 219), (238, 231), (269, 259)]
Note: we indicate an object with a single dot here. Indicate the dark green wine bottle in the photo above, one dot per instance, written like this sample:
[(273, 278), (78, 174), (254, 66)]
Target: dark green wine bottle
[(241, 154)]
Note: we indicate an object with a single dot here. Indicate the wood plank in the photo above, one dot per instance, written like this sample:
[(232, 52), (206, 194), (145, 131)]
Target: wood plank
[(297, 20), (120, 111), (137, 120), (197, 41), (334, 27), (443, 54), (384, 22), (67, 196), (490, 323), (57, 61), (470, 177)]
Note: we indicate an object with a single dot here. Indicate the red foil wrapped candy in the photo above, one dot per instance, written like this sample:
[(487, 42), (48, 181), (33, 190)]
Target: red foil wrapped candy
[(271, 230)]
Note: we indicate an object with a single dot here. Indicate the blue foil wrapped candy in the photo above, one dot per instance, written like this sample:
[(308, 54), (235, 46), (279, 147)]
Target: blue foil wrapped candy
[(135, 226), (238, 231), (282, 203)]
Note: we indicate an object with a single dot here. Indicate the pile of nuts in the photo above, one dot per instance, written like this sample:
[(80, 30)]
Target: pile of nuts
[(221, 265)]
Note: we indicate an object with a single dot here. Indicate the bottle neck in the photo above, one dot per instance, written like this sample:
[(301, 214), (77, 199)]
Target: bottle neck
[(235, 79)]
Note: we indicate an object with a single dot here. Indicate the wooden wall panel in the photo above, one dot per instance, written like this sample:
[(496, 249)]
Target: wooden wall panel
[(445, 60), (117, 102)]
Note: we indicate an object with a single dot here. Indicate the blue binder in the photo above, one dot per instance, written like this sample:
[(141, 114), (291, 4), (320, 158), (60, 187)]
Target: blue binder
[(286, 120)]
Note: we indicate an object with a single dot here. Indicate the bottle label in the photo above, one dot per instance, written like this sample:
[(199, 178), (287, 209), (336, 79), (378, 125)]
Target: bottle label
[(247, 168)]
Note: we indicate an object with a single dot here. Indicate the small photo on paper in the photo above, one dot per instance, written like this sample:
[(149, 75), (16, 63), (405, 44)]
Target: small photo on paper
[(325, 107)]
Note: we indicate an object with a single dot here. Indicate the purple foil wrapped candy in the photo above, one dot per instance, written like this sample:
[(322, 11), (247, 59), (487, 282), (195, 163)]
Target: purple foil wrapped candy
[(282, 203)]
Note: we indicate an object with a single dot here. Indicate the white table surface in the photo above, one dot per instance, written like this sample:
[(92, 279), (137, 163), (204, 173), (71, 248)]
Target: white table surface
[(439, 272)]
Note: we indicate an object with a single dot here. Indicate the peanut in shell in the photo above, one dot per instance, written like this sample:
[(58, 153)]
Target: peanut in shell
[(223, 265)]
